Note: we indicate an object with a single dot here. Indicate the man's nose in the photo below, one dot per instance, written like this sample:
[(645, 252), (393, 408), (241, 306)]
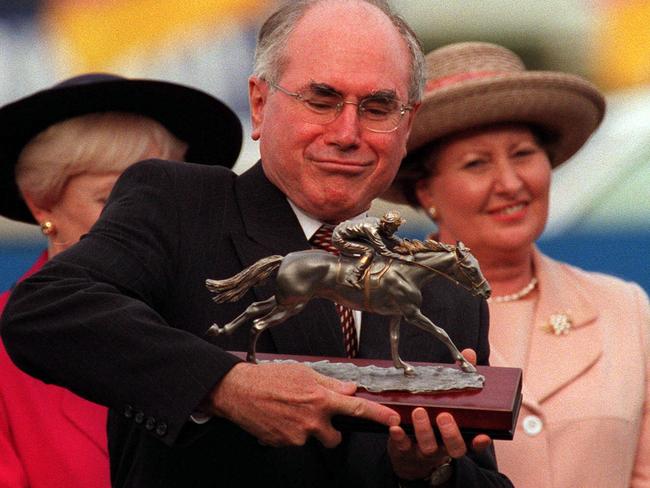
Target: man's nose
[(345, 130)]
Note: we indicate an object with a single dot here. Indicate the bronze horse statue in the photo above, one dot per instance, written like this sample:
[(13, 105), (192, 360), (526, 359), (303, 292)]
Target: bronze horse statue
[(391, 287)]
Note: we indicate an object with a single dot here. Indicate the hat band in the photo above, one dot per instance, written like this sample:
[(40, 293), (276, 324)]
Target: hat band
[(448, 80)]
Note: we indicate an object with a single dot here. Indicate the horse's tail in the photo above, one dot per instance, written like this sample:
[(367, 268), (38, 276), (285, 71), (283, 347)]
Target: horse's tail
[(233, 288)]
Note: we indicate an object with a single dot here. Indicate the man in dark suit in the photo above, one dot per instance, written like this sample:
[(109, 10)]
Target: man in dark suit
[(121, 317)]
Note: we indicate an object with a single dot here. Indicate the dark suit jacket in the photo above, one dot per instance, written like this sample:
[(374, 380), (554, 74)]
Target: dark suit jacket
[(120, 318)]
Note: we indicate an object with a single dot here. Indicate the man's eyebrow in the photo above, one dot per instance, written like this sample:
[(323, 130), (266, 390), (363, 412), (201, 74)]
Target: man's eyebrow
[(389, 94), (326, 89)]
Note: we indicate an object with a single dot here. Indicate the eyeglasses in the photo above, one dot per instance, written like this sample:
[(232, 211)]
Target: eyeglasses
[(377, 113)]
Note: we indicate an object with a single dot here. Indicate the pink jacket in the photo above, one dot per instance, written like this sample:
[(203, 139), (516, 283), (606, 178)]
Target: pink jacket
[(585, 419), (49, 437)]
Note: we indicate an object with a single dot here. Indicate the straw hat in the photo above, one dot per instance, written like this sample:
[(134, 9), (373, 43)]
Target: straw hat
[(471, 84), (212, 131)]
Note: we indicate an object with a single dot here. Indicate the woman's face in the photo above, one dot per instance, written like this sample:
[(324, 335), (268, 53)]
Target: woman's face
[(82, 201), (490, 188)]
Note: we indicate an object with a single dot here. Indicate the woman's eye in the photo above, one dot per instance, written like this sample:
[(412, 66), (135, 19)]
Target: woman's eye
[(474, 163), (526, 151)]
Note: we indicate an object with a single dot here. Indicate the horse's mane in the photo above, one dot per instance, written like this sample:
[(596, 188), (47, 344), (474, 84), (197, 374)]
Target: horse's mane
[(412, 246)]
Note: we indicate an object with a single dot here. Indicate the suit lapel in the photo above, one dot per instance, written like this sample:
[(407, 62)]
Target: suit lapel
[(556, 360), (271, 227)]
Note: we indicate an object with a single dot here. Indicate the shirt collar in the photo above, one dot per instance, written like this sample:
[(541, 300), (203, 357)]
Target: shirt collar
[(311, 224)]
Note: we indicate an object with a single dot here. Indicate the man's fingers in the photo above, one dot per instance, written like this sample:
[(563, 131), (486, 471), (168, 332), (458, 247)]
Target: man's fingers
[(329, 437), (451, 435), (341, 387), (398, 440), (481, 442), (365, 409), (470, 355), (353, 407), (424, 435)]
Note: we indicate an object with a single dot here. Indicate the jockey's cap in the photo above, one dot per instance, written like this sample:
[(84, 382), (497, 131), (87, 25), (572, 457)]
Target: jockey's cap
[(392, 217)]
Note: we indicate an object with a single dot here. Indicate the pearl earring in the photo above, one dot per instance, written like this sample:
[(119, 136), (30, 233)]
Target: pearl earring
[(433, 212), (47, 228)]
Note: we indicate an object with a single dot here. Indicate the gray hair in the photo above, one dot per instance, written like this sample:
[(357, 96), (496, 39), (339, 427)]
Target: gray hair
[(270, 60), (93, 143)]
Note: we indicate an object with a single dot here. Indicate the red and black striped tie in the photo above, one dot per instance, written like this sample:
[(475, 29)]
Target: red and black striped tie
[(323, 240)]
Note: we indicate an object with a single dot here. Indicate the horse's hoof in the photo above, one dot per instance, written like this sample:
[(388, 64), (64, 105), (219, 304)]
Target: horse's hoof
[(409, 370)]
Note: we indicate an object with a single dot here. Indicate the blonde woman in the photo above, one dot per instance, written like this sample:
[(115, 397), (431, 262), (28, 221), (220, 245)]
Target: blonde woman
[(63, 150)]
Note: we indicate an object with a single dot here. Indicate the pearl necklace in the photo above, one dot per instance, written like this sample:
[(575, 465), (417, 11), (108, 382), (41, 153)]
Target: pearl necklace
[(526, 290)]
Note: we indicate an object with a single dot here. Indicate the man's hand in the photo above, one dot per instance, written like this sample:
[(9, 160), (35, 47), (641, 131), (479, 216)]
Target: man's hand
[(417, 458), (284, 404)]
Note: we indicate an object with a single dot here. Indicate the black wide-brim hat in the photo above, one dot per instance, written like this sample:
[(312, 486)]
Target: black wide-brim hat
[(212, 131)]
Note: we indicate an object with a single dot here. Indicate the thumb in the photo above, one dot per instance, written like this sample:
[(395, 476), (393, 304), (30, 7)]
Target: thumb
[(481, 442), (470, 355)]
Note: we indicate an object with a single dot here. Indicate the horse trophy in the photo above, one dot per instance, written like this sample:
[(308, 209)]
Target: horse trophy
[(391, 287)]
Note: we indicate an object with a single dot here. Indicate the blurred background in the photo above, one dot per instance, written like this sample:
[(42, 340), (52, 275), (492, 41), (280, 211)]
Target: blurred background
[(600, 206)]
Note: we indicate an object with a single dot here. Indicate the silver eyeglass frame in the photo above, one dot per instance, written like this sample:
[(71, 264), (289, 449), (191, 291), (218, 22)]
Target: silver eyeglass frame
[(339, 108)]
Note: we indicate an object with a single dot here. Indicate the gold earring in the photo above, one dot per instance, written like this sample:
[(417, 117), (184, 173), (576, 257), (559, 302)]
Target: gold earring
[(47, 228), (433, 212)]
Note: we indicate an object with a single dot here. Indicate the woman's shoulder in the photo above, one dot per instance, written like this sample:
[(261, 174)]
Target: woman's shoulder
[(594, 281)]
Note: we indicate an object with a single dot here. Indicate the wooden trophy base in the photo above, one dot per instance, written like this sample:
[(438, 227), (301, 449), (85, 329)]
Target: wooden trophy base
[(491, 410)]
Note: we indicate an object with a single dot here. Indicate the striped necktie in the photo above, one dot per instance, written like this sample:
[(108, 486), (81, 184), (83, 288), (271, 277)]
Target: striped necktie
[(323, 240)]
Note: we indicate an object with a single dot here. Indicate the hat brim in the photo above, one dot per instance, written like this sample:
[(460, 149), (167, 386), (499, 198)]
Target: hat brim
[(212, 131), (566, 108)]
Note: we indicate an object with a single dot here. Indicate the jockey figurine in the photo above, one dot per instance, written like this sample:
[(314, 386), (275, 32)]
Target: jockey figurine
[(364, 238)]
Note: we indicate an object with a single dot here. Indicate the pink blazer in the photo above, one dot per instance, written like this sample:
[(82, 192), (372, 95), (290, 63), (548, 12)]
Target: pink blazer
[(49, 437), (585, 419)]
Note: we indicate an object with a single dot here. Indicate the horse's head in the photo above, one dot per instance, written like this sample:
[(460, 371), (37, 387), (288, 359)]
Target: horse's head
[(468, 273), (456, 263)]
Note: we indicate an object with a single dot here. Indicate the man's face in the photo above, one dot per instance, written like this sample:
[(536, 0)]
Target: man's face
[(333, 171)]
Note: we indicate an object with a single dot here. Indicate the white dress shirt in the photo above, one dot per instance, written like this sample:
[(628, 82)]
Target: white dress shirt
[(309, 226)]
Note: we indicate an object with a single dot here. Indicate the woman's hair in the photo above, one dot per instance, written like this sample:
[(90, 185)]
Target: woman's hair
[(417, 165), (270, 60), (93, 143)]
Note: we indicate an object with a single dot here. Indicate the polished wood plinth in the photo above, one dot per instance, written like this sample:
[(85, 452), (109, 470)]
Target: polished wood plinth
[(491, 410)]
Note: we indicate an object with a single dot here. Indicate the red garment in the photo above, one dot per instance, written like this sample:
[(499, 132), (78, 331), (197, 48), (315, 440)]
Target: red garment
[(49, 437)]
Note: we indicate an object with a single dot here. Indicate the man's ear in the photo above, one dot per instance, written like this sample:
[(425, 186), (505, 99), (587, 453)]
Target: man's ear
[(410, 117), (257, 93)]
